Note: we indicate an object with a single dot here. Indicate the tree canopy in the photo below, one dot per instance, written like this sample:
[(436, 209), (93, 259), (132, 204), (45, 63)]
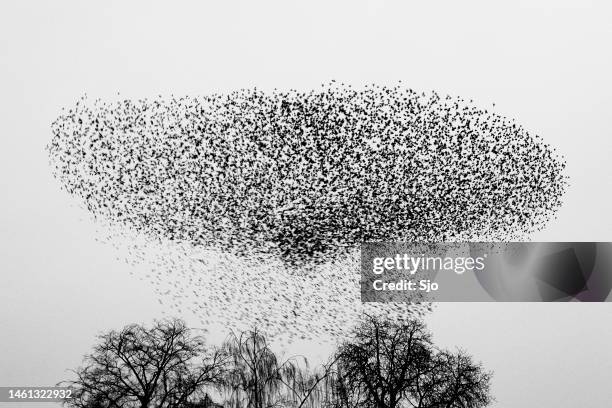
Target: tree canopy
[(384, 364)]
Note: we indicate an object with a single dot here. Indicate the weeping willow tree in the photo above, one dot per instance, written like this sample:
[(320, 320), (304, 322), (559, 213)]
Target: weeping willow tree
[(311, 388), (257, 378)]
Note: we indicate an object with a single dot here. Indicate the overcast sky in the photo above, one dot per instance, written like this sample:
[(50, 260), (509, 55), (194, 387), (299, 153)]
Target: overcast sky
[(545, 63)]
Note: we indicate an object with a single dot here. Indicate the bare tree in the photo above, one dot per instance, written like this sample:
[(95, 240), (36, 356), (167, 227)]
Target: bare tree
[(452, 380), (388, 364), (255, 376), (339, 390), (306, 388), (385, 364), (161, 367), (259, 379)]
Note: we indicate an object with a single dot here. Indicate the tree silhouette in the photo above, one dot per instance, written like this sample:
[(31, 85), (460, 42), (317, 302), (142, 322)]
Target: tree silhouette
[(162, 367), (306, 388), (388, 365), (384, 364), (255, 377)]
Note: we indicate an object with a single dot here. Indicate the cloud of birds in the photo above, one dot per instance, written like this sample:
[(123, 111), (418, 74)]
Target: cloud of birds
[(266, 196)]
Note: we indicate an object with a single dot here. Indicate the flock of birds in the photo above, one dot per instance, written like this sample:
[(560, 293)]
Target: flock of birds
[(249, 207)]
